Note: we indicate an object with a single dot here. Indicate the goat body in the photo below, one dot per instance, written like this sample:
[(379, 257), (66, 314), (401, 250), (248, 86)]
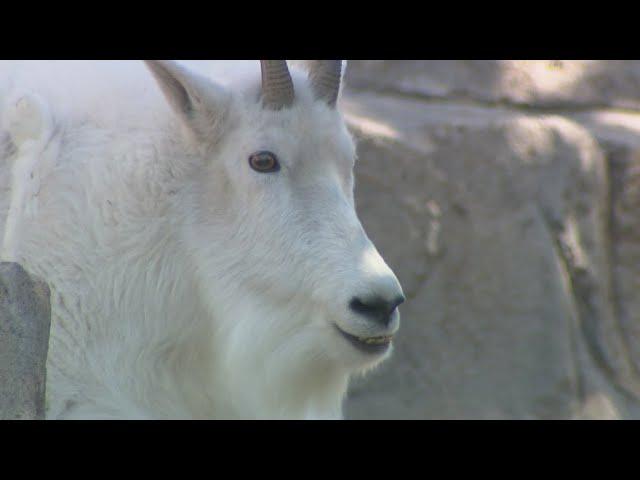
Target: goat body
[(183, 283)]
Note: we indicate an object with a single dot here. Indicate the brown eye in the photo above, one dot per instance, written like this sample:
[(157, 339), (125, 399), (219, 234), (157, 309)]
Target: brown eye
[(264, 162)]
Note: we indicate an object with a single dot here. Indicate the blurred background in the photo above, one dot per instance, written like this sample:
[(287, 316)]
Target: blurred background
[(506, 197)]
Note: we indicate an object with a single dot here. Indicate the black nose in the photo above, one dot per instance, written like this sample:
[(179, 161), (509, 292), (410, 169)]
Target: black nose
[(377, 309)]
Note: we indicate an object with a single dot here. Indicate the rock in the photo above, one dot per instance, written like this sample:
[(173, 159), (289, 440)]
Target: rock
[(542, 83), (25, 316), (619, 136), (497, 224)]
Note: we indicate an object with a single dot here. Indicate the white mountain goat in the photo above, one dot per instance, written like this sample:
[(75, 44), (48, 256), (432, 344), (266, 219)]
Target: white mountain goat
[(199, 239)]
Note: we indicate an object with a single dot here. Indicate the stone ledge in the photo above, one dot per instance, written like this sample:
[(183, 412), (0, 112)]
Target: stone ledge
[(577, 84)]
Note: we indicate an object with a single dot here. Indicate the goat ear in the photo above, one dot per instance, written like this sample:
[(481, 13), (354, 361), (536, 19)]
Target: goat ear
[(198, 101)]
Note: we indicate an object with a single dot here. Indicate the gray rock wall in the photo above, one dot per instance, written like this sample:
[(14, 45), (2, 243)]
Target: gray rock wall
[(505, 195), (25, 317)]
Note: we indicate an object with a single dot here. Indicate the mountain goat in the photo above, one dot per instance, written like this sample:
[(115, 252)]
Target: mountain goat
[(195, 223)]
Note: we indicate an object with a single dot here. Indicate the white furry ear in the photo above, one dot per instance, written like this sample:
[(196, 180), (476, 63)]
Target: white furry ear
[(199, 102)]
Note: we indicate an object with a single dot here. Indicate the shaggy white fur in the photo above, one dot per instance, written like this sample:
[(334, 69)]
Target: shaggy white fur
[(183, 283)]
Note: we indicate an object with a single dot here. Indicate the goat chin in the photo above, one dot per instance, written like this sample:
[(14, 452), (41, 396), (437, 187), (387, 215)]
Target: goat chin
[(186, 283)]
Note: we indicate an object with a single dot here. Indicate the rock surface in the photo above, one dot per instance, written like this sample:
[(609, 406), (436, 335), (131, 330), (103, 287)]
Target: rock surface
[(25, 317), (538, 83), (514, 232)]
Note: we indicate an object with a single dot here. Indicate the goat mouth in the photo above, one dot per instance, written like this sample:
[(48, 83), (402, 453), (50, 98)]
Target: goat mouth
[(369, 345)]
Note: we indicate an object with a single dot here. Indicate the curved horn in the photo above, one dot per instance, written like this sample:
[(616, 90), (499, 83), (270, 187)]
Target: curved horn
[(277, 87), (325, 78)]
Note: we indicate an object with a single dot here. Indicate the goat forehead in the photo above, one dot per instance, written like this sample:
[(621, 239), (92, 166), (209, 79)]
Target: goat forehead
[(301, 137), (302, 117)]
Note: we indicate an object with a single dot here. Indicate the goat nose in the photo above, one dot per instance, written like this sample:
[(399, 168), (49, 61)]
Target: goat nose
[(377, 309)]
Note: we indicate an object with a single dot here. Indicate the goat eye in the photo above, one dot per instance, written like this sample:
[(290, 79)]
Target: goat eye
[(264, 162)]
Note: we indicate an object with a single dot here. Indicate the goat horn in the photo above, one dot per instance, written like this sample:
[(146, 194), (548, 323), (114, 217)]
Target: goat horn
[(325, 78), (277, 87)]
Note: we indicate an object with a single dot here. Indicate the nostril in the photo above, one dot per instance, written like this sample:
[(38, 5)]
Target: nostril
[(397, 302), (376, 308), (361, 307)]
